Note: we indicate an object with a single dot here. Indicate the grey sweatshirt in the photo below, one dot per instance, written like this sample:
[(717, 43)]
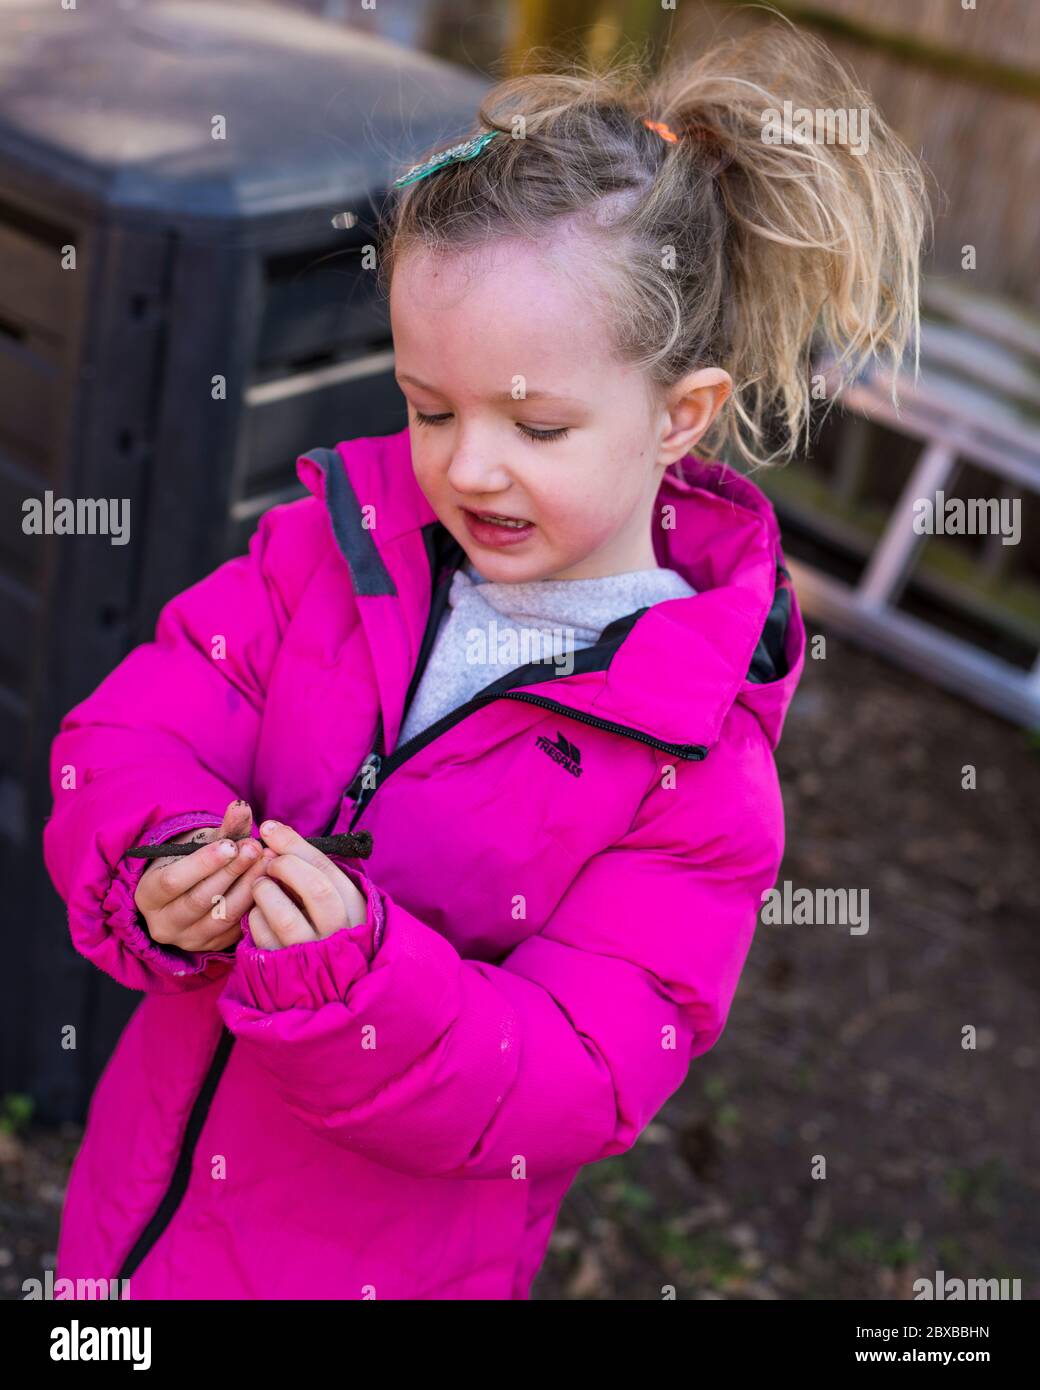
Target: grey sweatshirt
[(489, 628)]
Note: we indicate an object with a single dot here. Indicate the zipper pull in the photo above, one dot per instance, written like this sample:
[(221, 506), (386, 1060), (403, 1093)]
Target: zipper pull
[(362, 787)]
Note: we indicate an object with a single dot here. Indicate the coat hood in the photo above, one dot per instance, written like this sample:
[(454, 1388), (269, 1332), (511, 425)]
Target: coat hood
[(673, 670)]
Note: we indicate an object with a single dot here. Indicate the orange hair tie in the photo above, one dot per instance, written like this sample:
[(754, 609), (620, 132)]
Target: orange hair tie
[(665, 132)]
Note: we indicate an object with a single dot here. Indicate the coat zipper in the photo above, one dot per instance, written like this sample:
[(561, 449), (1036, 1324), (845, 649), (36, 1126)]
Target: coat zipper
[(178, 1184), (382, 766)]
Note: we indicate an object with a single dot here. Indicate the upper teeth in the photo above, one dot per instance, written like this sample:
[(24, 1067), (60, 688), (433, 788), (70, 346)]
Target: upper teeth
[(504, 520)]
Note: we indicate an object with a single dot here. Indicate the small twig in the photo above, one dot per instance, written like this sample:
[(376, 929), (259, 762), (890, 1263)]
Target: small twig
[(357, 846)]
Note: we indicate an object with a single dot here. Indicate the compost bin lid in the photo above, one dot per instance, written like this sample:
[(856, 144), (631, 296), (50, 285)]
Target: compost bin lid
[(118, 100)]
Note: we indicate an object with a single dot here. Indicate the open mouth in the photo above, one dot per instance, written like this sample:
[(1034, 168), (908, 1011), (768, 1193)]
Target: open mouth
[(493, 528), (497, 520)]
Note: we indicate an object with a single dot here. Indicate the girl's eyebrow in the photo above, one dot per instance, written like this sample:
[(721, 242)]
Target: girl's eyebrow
[(499, 396)]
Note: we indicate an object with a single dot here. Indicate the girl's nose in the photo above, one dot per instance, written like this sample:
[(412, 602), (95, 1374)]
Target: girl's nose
[(474, 472)]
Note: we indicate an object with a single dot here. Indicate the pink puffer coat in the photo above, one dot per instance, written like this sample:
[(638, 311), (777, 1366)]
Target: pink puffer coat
[(565, 879)]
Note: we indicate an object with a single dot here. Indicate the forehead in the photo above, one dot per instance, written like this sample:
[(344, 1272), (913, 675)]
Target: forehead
[(506, 310)]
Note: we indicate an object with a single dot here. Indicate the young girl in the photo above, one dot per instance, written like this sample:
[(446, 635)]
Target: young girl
[(377, 1078)]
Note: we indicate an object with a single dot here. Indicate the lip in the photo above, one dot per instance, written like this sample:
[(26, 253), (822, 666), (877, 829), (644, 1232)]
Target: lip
[(496, 537)]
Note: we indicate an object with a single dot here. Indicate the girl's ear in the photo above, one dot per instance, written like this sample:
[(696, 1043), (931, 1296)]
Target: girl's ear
[(691, 406)]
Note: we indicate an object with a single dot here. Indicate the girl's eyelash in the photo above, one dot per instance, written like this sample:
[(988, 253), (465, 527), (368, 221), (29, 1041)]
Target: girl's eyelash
[(539, 436), (543, 435)]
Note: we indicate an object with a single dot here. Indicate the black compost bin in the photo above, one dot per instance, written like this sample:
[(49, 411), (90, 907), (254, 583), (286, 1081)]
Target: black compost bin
[(186, 192)]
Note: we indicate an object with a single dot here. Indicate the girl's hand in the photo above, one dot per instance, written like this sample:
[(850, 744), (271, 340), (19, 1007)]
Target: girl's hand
[(175, 895), (312, 897)]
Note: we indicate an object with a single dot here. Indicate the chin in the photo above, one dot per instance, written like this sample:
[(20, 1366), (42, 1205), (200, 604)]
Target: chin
[(499, 569)]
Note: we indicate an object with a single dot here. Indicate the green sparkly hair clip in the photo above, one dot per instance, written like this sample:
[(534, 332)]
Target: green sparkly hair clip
[(468, 149)]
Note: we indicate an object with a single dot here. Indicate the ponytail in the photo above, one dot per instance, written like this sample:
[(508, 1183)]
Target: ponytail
[(825, 209)]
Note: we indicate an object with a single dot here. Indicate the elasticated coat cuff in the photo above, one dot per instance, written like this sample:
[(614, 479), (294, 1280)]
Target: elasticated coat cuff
[(310, 974), (125, 921)]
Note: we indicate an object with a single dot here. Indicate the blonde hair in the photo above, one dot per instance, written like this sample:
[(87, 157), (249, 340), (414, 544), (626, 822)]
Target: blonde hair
[(720, 249)]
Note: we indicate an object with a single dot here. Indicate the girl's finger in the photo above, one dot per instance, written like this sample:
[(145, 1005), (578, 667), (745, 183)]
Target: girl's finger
[(167, 879), (239, 897), (284, 840), (230, 885), (238, 821), (322, 901), (161, 887), (281, 913), (197, 903), (264, 938)]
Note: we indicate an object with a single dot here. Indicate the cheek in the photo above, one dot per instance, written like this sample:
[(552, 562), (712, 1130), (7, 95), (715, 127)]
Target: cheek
[(580, 521), (586, 502), (593, 513), (426, 464)]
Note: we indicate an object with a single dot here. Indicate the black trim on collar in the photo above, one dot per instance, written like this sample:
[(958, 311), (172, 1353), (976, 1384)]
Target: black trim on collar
[(769, 661), (371, 577), (367, 570)]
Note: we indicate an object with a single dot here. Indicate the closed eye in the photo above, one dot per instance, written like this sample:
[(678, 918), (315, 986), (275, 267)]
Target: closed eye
[(540, 436), (561, 433)]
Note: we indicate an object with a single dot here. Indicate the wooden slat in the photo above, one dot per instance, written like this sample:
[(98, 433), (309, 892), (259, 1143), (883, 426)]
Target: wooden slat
[(890, 562), (994, 684)]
